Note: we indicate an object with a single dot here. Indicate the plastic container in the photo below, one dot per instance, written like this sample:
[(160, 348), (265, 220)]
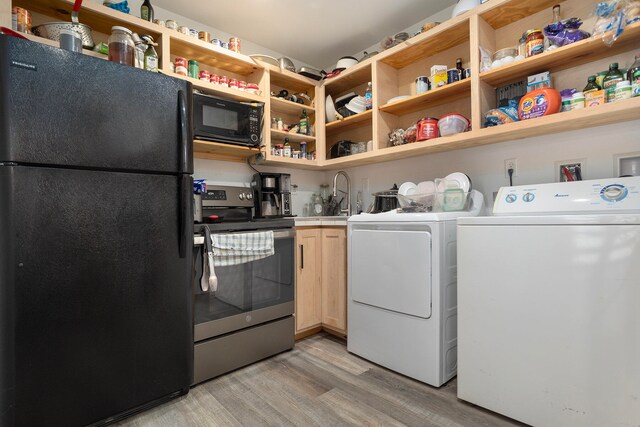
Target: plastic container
[(451, 124), (623, 90), (541, 102)]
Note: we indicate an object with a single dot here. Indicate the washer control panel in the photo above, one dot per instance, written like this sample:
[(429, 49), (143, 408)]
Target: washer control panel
[(614, 195)]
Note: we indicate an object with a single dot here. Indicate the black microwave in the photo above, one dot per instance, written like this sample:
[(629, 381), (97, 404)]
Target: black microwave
[(222, 120)]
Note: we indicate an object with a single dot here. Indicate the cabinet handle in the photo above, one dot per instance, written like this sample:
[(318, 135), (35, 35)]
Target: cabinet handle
[(301, 257)]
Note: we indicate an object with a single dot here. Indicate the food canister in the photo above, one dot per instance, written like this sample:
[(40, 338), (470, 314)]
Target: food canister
[(234, 44), (623, 90), (204, 36), (204, 75), (214, 78), (577, 101), (233, 83), (193, 33), (242, 85), (216, 42), (184, 30), (194, 68), (253, 88), (535, 42), (21, 20), (422, 84), (224, 45), (181, 66), (171, 24), (427, 129), (453, 75), (224, 80)]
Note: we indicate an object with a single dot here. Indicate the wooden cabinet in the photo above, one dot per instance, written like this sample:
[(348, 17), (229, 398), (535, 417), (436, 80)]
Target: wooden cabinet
[(334, 279), (321, 280), (308, 294)]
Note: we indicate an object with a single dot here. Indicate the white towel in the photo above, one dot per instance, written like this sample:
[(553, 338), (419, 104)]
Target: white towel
[(240, 248)]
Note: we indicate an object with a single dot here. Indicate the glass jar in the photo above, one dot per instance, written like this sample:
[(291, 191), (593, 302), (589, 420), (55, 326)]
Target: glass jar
[(316, 205), (121, 46)]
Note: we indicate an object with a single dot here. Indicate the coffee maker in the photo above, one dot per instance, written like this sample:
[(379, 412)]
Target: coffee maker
[(272, 195)]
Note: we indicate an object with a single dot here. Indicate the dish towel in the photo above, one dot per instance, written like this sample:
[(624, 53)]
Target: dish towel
[(240, 248)]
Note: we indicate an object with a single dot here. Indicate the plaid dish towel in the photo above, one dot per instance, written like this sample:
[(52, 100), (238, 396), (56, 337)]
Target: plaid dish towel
[(240, 248)]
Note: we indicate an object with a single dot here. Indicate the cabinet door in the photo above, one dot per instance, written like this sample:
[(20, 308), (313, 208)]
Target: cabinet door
[(308, 284), (334, 279)]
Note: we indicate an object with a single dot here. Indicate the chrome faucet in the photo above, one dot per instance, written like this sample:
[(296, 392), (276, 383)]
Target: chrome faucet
[(348, 193)]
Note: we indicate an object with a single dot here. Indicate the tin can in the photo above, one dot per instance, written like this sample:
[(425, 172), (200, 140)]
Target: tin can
[(193, 33), (427, 129), (184, 30), (233, 83), (21, 20), (216, 42), (194, 68), (242, 85), (234, 44), (171, 24), (453, 75), (160, 22), (204, 36), (535, 42), (214, 78), (253, 88), (181, 66), (204, 75), (224, 80), (224, 45), (422, 84), (467, 73)]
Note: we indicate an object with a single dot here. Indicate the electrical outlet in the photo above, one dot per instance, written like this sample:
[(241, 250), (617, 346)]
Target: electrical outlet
[(573, 169), (510, 164)]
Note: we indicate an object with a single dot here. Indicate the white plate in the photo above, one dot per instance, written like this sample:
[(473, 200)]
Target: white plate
[(266, 59), (397, 98), (330, 109), (407, 189), (426, 187), (461, 179)]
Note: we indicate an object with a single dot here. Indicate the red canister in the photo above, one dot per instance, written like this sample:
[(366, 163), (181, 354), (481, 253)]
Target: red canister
[(214, 78), (427, 129), (242, 85), (223, 80), (233, 83), (181, 65), (204, 75)]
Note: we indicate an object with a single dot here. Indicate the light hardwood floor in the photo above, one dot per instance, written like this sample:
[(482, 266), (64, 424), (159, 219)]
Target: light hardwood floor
[(318, 383)]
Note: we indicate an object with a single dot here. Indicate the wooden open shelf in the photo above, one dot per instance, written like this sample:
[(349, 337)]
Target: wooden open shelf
[(100, 18), (218, 90), (438, 39), (293, 137), (360, 119), (293, 82), (438, 96), (220, 151), (499, 13), (292, 163), (564, 57), (56, 44), (349, 78), (284, 106)]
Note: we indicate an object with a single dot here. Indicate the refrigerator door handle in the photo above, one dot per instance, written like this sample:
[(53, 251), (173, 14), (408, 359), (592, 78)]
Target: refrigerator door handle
[(185, 217), (184, 133)]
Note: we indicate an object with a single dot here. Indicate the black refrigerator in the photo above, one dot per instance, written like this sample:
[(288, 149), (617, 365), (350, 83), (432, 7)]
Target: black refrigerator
[(96, 237)]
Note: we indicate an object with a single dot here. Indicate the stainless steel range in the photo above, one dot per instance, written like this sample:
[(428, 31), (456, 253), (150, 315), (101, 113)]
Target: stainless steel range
[(249, 315)]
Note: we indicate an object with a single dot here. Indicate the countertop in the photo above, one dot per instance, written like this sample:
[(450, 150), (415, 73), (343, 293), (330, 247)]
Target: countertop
[(319, 221)]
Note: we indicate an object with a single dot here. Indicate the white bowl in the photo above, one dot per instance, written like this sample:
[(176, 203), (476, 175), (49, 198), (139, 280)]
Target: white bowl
[(453, 123)]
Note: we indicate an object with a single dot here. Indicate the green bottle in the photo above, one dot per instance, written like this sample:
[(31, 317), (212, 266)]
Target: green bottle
[(303, 127), (146, 11), (609, 82), (591, 86)]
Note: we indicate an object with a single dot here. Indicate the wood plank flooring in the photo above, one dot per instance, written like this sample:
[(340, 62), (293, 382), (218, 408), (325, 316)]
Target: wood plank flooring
[(318, 383)]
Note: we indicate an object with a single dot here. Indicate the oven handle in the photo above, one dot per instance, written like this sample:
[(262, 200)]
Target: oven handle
[(277, 234)]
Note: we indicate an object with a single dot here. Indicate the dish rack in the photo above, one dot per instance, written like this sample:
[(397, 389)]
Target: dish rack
[(451, 200)]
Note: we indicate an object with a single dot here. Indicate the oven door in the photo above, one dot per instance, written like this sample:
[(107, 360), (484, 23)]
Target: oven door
[(221, 120), (248, 294)]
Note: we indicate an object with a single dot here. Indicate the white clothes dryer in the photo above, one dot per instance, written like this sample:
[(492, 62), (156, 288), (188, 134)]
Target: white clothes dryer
[(549, 304), (402, 301)]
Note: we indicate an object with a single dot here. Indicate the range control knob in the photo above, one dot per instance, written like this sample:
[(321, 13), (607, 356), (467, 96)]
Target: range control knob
[(241, 196), (249, 196), (614, 192), (511, 198), (528, 197)]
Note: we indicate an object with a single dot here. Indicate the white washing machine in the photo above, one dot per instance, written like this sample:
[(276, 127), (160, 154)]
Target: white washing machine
[(549, 304), (402, 291)]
